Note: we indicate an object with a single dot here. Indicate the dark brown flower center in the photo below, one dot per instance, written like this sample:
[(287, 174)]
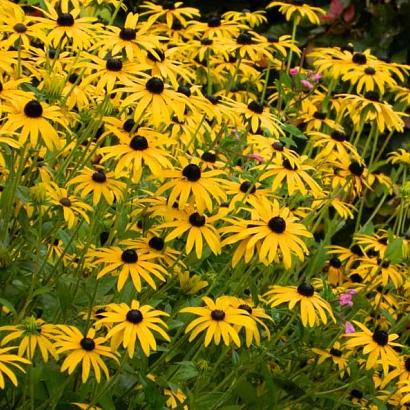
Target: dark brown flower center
[(277, 224), (139, 143), (407, 364), (245, 307), (65, 202), (370, 71), (209, 157), (128, 34), (338, 136), (129, 256), (381, 337), (155, 85), (319, 115), (359, 58), (288, 165), (196, 219), (156, 243), (99, 177), (65, 20), (192, 172), (20, 28), (134, 316), (247, 186), (214, 21), (128, 125), (335, 262), (87, 344), (357, 394), (278, 146), (206, 41), (183, 89), (356, 278), (218, 315), (33, 109), (113, 64), (244, 39), (213, 99), (335, 352), (255, 107), (306, 289), (356, 169), (372, 96)]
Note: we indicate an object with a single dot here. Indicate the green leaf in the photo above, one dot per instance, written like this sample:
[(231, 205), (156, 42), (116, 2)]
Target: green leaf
[(394, 251), (185, 371)]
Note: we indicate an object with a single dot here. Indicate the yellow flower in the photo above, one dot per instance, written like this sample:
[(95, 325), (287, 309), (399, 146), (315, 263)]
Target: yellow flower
[(218, 318), (125, 263), (87, 350), (338, 357), (132, 323), (7, 360), (312, 307), (100, 183), (377, 345), (298, 11), (34, 333)]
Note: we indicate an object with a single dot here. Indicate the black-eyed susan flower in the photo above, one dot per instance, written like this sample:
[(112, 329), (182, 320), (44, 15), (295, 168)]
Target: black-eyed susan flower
[(153, 97), (169, 12), (257, 313), (34, 334), (8, 361), (199, 227), (250, 18), (35, 120), (218, 318), (337, 356), (190, 184), (299, 11), (126, 263), (378, 345), (65, 25), (400, 371), (72, 207), (295, 172), (134, 323), (87, 350), (275, 229), (313, 308), (146, 147), (100, 183)]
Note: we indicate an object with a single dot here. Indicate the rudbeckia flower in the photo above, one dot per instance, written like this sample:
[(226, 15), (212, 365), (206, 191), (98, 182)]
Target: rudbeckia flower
[(87, 350), (127, 262), (378, 345), (33, 334), (169, 11), (295, 173), (72, 207), (369, 108), (298, 11), (200, 228), (250, 18), (134, 323), (271, 227), (313, 308), (7, 361), (337, 355), (218, 318), (132, 38), (146, 147), (401, 371), (191, 284), (192, 185), (66, 27), (100, 183), (33, 119), (151, 96)]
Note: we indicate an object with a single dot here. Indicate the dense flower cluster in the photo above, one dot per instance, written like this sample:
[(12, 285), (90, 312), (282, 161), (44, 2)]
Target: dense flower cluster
[(157, 164)]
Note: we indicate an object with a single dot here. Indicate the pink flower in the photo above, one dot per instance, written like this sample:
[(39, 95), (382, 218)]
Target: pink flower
[(315, 76), (307, 84), (345, 299), (256, 157), (349, 328), (293, 71)]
